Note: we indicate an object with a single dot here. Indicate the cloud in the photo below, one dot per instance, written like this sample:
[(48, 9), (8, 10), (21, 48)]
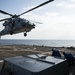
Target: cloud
[(61, 4), (55, 26), (72, 0), (67, 4)]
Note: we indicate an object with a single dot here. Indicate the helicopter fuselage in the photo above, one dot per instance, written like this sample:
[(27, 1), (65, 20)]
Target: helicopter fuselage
[(16, 25)]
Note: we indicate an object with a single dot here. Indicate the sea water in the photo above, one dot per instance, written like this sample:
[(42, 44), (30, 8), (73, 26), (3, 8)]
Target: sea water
[(51, 43)]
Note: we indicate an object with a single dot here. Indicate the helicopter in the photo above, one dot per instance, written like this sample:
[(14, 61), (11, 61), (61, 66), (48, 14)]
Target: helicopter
[(15, 24)]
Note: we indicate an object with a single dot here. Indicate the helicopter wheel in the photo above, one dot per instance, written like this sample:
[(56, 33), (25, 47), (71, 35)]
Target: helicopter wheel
[(11, 33), (25, 34)]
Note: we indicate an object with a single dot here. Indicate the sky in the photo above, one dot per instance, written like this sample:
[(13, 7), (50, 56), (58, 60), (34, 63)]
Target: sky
[(58, 18)]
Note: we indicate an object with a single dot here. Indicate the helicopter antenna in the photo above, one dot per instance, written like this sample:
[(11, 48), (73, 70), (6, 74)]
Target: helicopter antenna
[(36, 7)]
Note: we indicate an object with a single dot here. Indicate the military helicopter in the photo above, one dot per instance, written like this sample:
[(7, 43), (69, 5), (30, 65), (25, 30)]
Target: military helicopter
[(15, 24)]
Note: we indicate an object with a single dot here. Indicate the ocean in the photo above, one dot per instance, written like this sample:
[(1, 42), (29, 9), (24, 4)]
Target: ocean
[(50, 43)]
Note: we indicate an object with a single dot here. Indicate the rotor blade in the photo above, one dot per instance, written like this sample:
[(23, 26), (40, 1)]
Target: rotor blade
[(4, 19), (36, 7), (5, 13), (36, 22)]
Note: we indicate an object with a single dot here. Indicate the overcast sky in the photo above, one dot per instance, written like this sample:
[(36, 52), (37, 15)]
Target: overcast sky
[(58, 18)]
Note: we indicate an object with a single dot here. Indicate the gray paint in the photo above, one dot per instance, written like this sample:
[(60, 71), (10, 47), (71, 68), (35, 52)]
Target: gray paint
[(34, 65)]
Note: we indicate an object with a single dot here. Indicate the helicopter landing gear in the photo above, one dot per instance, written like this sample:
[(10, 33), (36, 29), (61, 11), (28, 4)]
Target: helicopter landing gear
[(25, 34), (11, 33)]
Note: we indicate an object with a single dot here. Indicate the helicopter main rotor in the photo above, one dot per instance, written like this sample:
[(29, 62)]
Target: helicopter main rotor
[(15, 16), (37, 7), (5, 13)]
